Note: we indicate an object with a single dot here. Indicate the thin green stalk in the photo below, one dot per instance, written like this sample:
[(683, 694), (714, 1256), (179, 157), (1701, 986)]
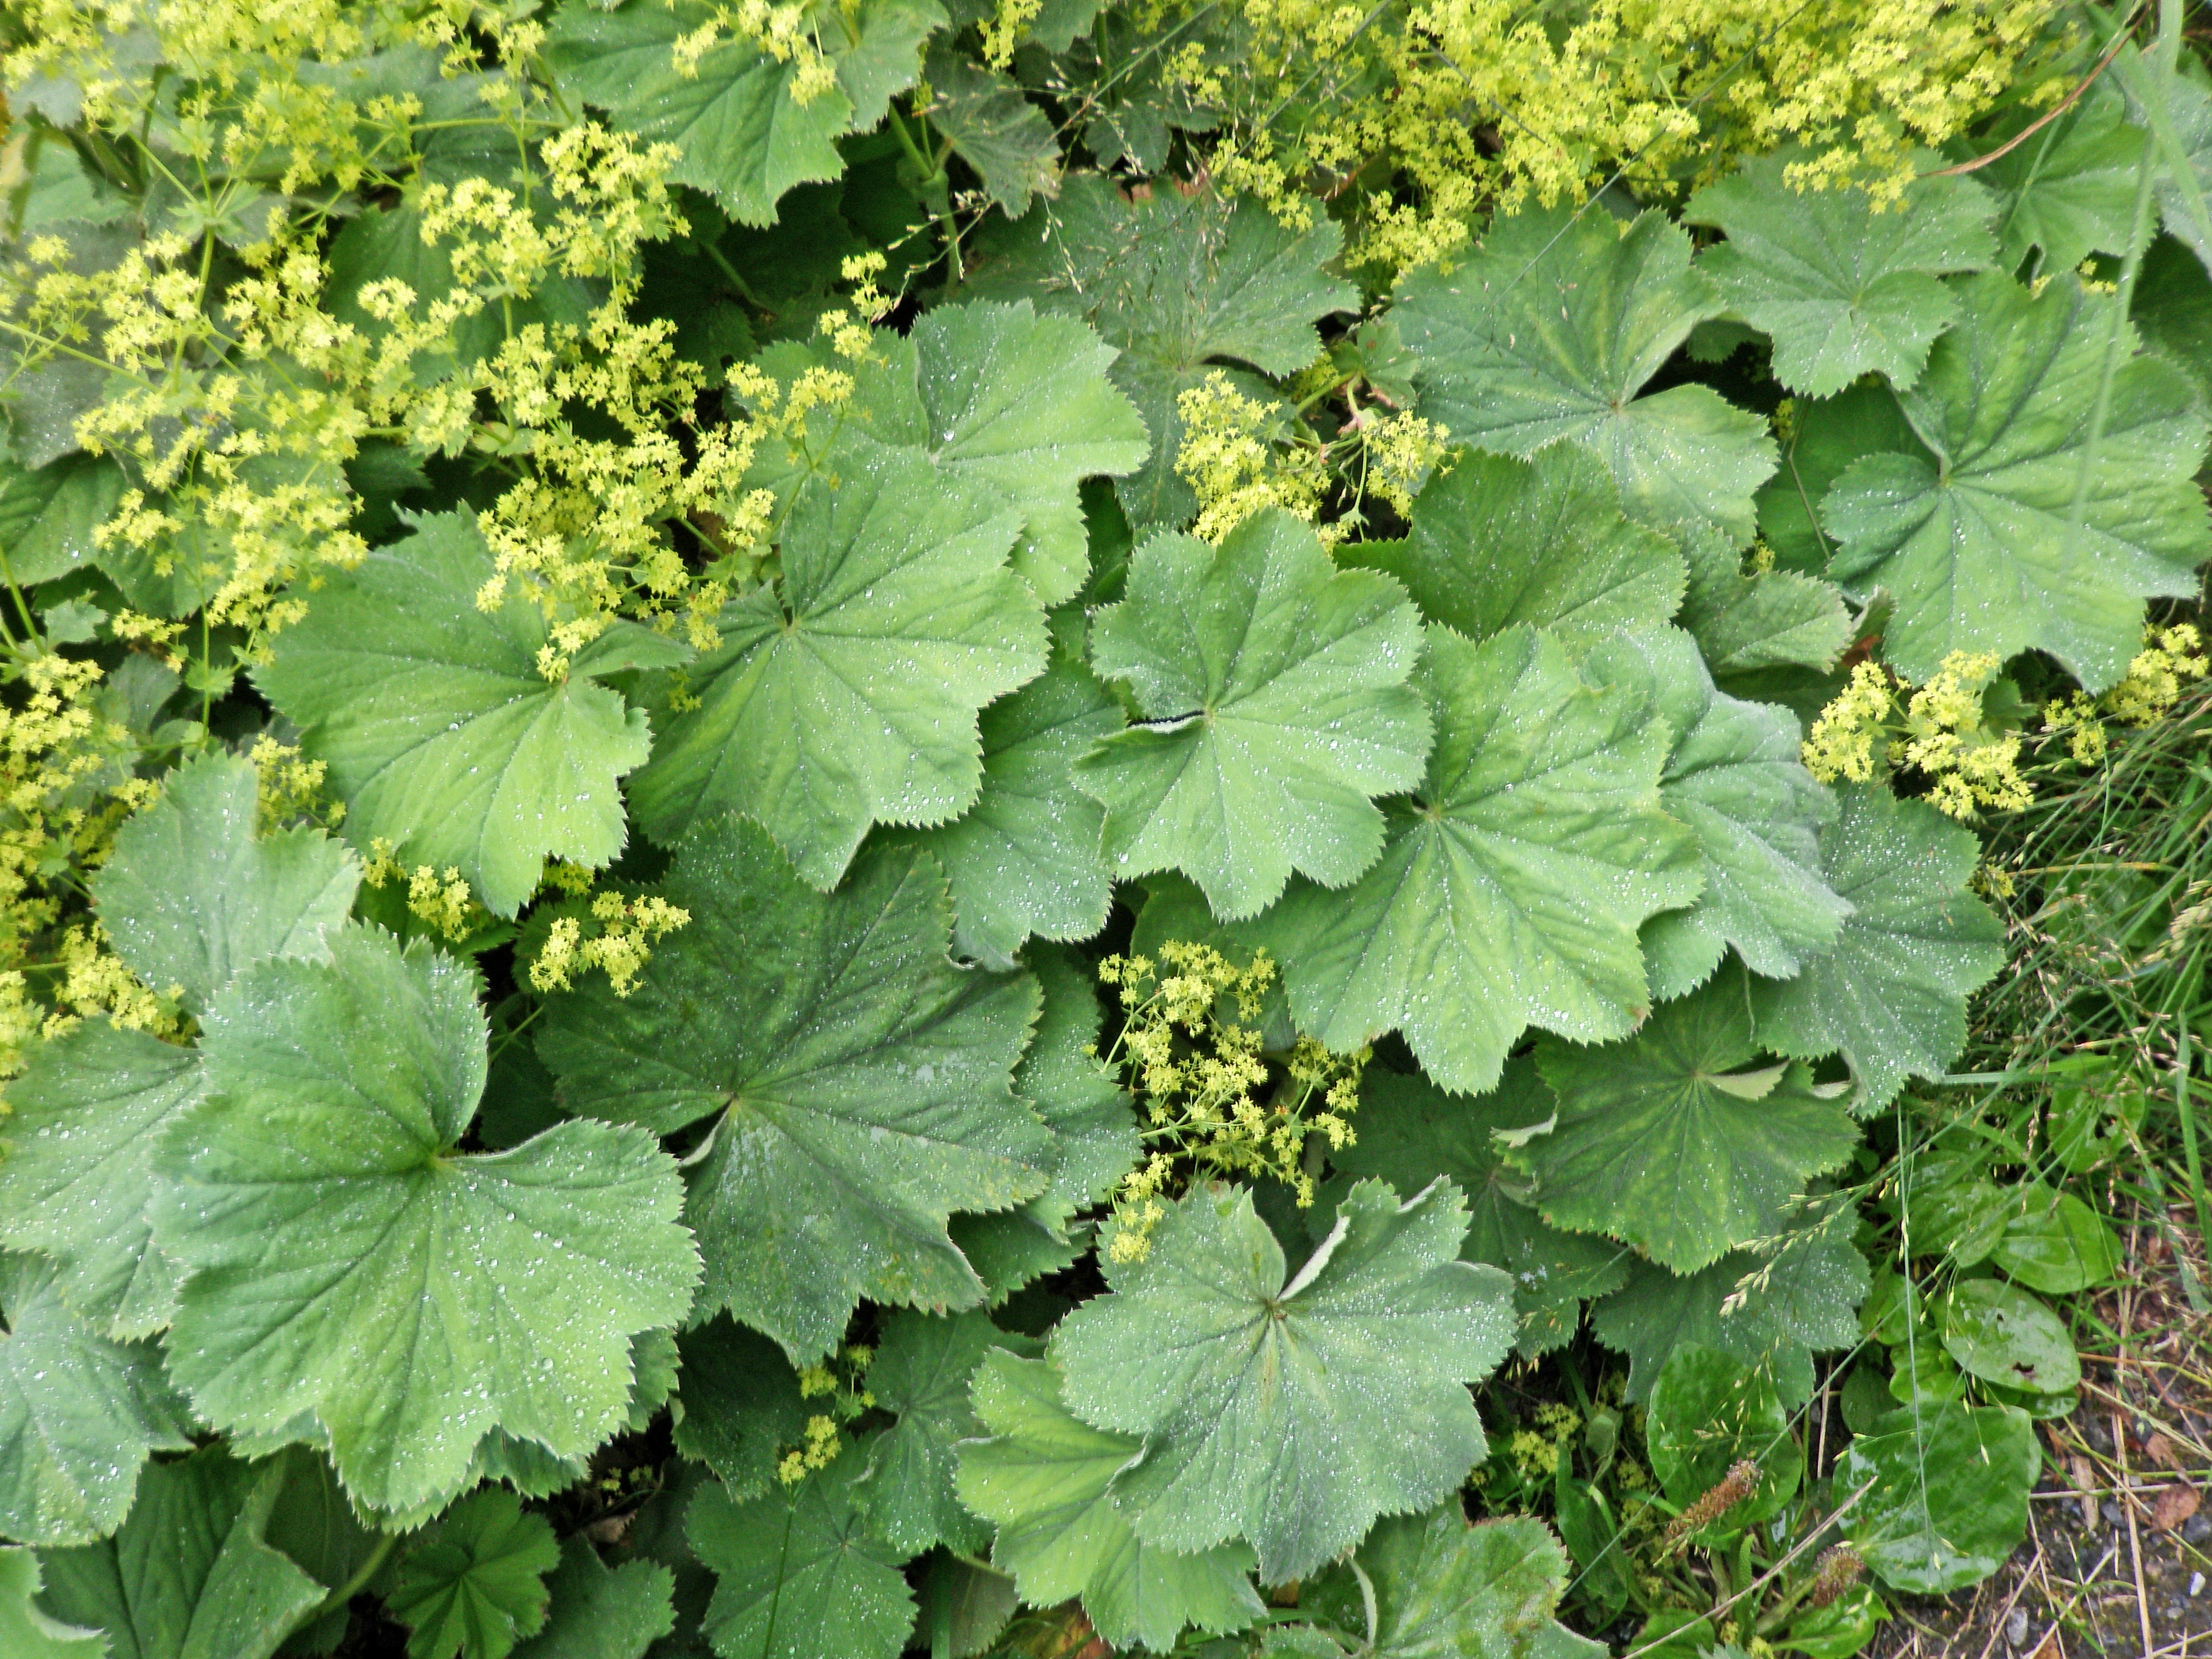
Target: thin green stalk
[(2187, 1111)]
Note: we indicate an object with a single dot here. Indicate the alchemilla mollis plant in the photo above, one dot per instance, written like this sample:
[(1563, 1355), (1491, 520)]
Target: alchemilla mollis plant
[(829, 827)]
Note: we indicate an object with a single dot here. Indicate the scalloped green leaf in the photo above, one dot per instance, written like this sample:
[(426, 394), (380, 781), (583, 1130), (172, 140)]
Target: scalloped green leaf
[(1443, 1589), (47, 516), (1843, 285), (1273, 693), (1680, 1141), (26, 1632), (1041, 1477), (858, 1080), (1734, 777), (855, 680), (2068, 190), (1979, 548), (79, 1414), (598, 1613), (798, 1574), (1410, 1132), (353, 1277), (1497, 541), (1023, 860), (86, 1115), (475, 1583), (1890, 996), (1516, 879), (191, 1574), (1549, 332), (1292, 1409), (1179, 283), (193, 891), (920, 1374), (1080, 1097), (441, 734), (741, 1404)]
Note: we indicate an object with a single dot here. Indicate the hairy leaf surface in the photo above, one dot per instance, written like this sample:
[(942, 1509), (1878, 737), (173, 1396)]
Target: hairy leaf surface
[(920, 1374), (26, 1631), (1443, 1589), (475, 1583)]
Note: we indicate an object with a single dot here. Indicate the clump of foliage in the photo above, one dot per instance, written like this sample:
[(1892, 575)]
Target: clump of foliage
[(617, 615)]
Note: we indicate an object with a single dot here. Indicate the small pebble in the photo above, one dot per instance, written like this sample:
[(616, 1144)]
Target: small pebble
[(2016, 1628), (2196, 1583), (2114, 1514), (2196, 1528)]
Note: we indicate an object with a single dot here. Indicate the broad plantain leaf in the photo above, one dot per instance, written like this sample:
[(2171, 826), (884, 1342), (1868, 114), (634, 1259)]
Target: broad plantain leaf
[(1024, 859), (800, 1576), (600, 1615), (1291, 1409), (1773, 1311), (1272, 688), (2001, 1333), (79, 1414), (1734, 777), (1410, 1133), (1515, 882), (474, 1584), (1497, 541), (440, 733), (920, 1374), (855, 681), (26, 1632), (1890, 996), (1041, 1476), (1679, 1141), (1980, 548), (1000, 397), (191, 893), (859, 1080), (1549, 330), (1443, 1590), (73, 1153), (1842, 284), (191, 1574), (1708, 1411), (1178, 283), (1947, 1493), (354, 1279)]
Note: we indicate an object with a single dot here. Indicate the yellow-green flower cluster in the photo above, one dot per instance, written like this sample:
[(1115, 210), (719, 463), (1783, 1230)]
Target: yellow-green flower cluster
[(1197, 1067), (2170, 658), (616, 936), (440, 900), (1228, 456), (1939, 730), (841, 1384)]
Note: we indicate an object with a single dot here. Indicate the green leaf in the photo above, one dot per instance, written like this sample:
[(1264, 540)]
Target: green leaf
[(1410, 1133), (1513, 883), (192, 893), (25, 1632), (920, 1374), (1445, 1589), (47, 517), (1947, 1497), (741, 1405), (1842, 284), (2055, 1243), (1548, 332), (1680, 1140), (2004, 1336), (1041, 1476), (1823, 436), (73, 1153), (79, 1414), (1707, 1410), (1892, 995), (740, 131), (857, 679), (190, 1575), (861, 1082), (1291, 1409), (2070, 188), (1734, 777), (1024, 859), (440, 732), (1178, 283), (801, 1577), (1080, 1097), (994, 129), (600, 1615), (999, 396), (1978, 547), (1497, 541), (355, 1278), (1274, 693), (474, 1583), (1773, 1311), (2172, 312)]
